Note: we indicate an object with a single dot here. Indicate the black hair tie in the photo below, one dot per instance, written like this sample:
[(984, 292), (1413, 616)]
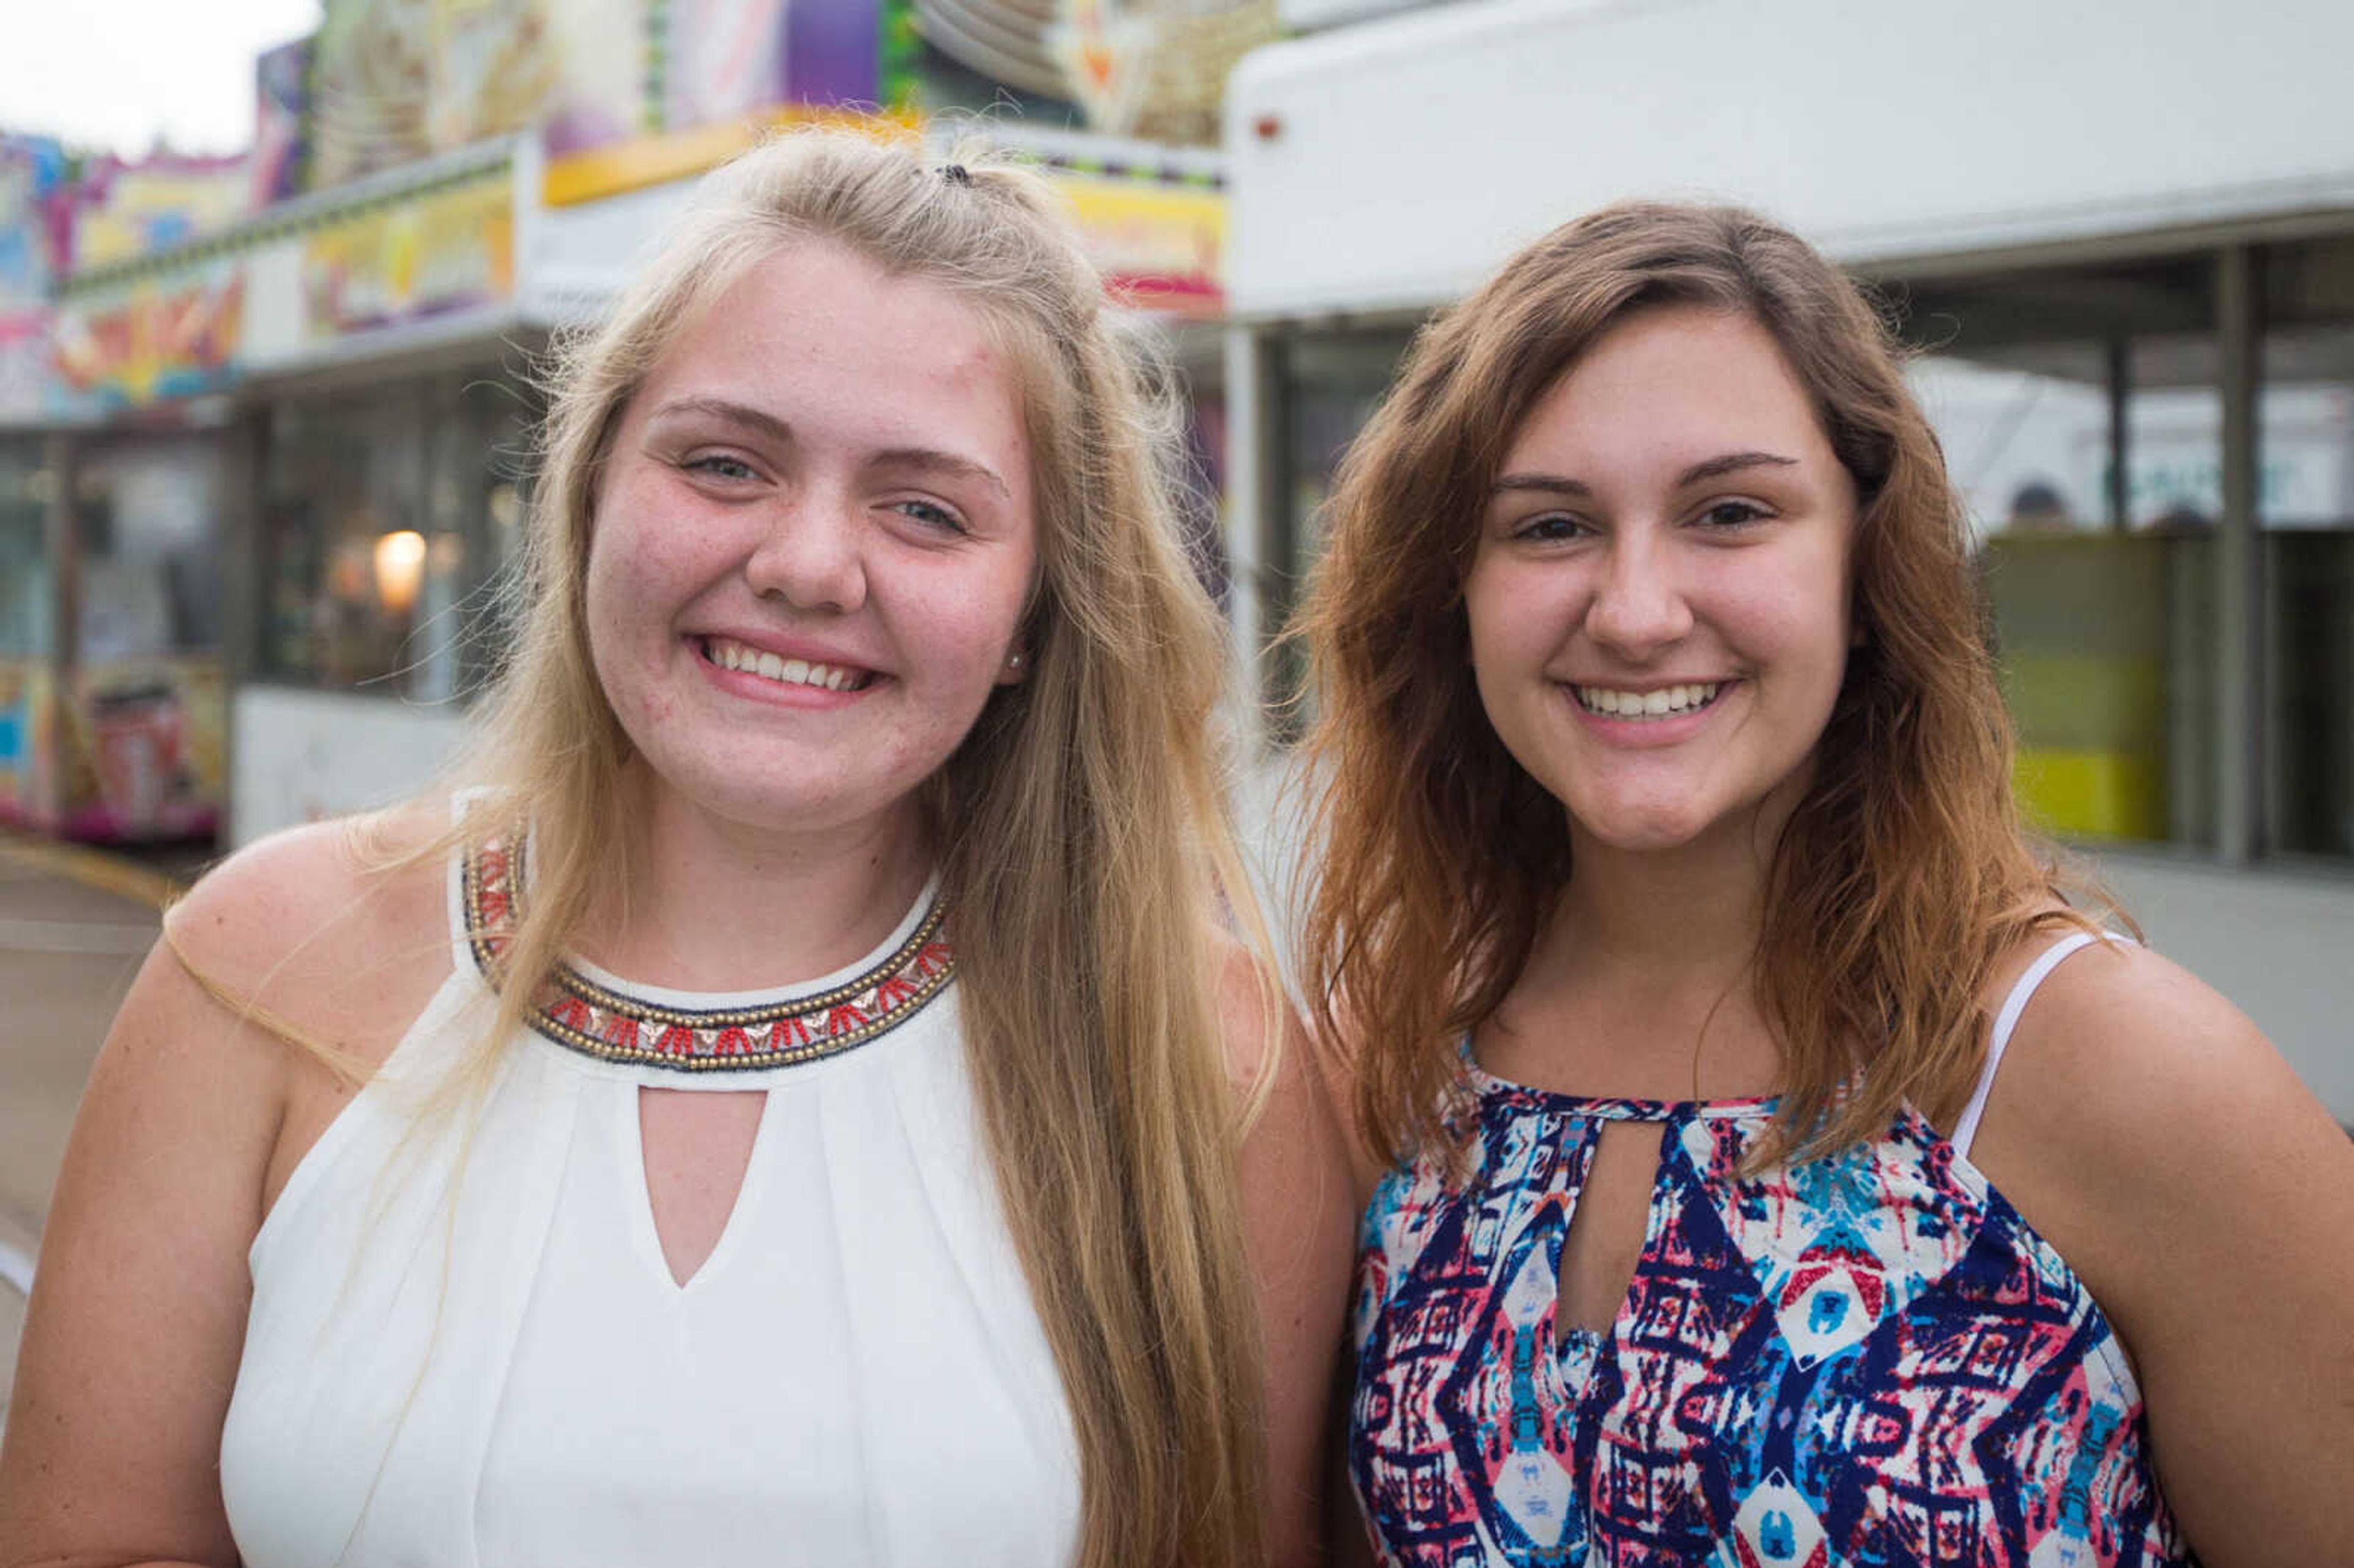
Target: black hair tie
[(956, 173)]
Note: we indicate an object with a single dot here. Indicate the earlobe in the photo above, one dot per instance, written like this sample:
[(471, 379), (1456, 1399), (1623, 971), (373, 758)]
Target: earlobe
[(1015, 669)]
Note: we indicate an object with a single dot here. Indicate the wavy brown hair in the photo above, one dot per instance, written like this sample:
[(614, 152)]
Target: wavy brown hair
[(1088, 860), (1901, 878)]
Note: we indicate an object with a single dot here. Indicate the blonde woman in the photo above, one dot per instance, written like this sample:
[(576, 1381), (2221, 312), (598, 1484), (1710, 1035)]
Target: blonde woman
[(1780, 1172), (801, 1105)]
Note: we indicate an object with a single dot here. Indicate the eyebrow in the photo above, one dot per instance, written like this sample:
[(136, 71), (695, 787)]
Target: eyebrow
[(1711, 467), (943, 465), (741, 415), (916, 460)]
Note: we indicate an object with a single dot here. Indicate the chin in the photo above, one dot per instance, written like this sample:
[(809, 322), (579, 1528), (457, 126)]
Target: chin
[(1654, 840), (1642, 830)]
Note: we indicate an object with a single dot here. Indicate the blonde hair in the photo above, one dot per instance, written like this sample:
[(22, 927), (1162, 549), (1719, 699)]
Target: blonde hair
[(1087, 842), (1902, 875)]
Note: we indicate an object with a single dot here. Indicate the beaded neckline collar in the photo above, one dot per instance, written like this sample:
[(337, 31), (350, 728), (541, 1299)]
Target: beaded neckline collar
[(604, 1019)]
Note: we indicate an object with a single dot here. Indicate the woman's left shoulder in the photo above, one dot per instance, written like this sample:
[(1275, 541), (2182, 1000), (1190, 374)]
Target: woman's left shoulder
[(2132, 1059), (2153, 1136)]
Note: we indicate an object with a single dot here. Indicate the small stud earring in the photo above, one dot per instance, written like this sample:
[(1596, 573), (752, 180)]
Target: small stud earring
[(1014, 661)]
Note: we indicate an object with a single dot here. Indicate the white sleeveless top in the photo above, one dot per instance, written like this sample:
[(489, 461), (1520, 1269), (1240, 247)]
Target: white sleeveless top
[(471, 1351)]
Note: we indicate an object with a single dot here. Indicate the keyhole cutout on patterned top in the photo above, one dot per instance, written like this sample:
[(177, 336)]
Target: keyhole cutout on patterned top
[(697, 1145), (1608, 1226)]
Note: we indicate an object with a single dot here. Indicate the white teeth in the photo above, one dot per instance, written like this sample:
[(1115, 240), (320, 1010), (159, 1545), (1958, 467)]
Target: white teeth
[(1655, 703), (729, 655)]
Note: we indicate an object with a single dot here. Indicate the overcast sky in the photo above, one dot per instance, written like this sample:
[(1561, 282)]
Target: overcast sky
[(116, 74)]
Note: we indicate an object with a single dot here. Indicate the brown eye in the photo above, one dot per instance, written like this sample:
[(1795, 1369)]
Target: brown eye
[(1732, 515), (1551, 528)]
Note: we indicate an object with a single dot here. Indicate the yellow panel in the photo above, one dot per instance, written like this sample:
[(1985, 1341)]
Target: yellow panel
[(2096, 794), (599, 172), (1160, 246)]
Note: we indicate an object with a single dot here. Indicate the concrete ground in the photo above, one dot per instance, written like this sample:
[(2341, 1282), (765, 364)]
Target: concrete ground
[(73, 929)]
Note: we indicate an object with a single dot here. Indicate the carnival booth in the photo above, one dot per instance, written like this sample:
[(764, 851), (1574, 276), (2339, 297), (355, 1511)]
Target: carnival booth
[(2126, 257), (110, 695), (303, 455)]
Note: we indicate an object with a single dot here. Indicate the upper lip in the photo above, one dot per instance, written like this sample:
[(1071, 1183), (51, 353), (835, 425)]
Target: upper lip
[(1645, 686), (808, 650)]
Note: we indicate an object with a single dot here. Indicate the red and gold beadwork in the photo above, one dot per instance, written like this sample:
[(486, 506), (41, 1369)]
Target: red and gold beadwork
[(574, 1011)]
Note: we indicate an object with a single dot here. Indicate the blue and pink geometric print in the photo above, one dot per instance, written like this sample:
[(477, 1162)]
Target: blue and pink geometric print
[(1864, 1361)]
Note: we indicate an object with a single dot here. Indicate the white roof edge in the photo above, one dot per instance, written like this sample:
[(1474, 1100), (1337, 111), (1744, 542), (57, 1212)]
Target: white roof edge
[(1407, 33), (1397, 162)]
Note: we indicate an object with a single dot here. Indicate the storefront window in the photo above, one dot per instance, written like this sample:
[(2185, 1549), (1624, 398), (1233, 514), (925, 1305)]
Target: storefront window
[(1332, 382), (382, 515), (26, 589), (2305, 505), (2081, 419), (133, 748), (147, 512)]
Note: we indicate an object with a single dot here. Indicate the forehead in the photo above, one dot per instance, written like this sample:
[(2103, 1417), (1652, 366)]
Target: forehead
[(1664, 382), (821, 337)]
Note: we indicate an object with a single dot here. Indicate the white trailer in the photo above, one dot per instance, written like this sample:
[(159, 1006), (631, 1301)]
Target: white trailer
[(2123, 238)]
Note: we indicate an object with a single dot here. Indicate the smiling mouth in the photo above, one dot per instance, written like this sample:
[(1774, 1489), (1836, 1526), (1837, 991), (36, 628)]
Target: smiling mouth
[(1666, 702), (730, 654)]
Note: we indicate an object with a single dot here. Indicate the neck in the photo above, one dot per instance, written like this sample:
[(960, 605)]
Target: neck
[(1688, 914), (712, 904), (1684, 915)]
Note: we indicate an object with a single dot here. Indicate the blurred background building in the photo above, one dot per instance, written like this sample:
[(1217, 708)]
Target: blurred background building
[(265, 421), (2122, 243)]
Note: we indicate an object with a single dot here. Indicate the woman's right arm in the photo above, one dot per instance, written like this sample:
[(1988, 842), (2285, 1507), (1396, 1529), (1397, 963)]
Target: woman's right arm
[(137, 1320)]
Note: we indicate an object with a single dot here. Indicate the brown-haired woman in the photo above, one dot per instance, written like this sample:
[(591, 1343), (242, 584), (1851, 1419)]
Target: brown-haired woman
[(1675, 917), (802, 1111)]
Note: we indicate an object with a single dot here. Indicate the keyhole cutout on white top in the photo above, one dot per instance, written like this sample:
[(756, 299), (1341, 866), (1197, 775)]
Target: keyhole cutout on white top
[(697, 1144), (1608, 1226)]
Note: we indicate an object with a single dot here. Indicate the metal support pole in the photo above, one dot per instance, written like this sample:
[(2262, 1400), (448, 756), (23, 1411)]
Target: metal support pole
[(244, 587), (243, 591), (62, 456), (2119, 499), (2239, 628), (1256, 553)]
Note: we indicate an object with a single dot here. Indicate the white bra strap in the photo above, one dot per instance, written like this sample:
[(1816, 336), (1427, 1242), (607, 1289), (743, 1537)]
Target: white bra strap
[(2007, 1020)]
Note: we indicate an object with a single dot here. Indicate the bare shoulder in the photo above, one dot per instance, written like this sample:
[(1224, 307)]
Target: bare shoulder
[(1298, 1209), (190, 1119), (338, 927), (2134, 1061), (1255, 1021), (2148, 1131), (1266, 1047)]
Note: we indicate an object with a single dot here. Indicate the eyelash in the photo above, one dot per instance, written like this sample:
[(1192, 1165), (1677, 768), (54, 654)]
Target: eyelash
[(710, 463), (932, 513), (1541, 530), (730, 469), (1545, 529), (1751, 514)]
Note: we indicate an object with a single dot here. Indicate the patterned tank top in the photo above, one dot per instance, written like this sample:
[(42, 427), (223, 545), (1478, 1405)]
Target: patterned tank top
[(1857, 1362)]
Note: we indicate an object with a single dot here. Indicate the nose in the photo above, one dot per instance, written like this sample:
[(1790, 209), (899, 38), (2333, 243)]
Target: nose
[(812, 556), (1639, 605)]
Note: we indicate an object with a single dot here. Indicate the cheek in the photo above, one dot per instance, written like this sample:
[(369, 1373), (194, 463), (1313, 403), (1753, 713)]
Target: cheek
[(1489, 614)]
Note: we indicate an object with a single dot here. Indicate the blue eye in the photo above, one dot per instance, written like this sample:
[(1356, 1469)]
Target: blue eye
[(931, 513), (718, 465)]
